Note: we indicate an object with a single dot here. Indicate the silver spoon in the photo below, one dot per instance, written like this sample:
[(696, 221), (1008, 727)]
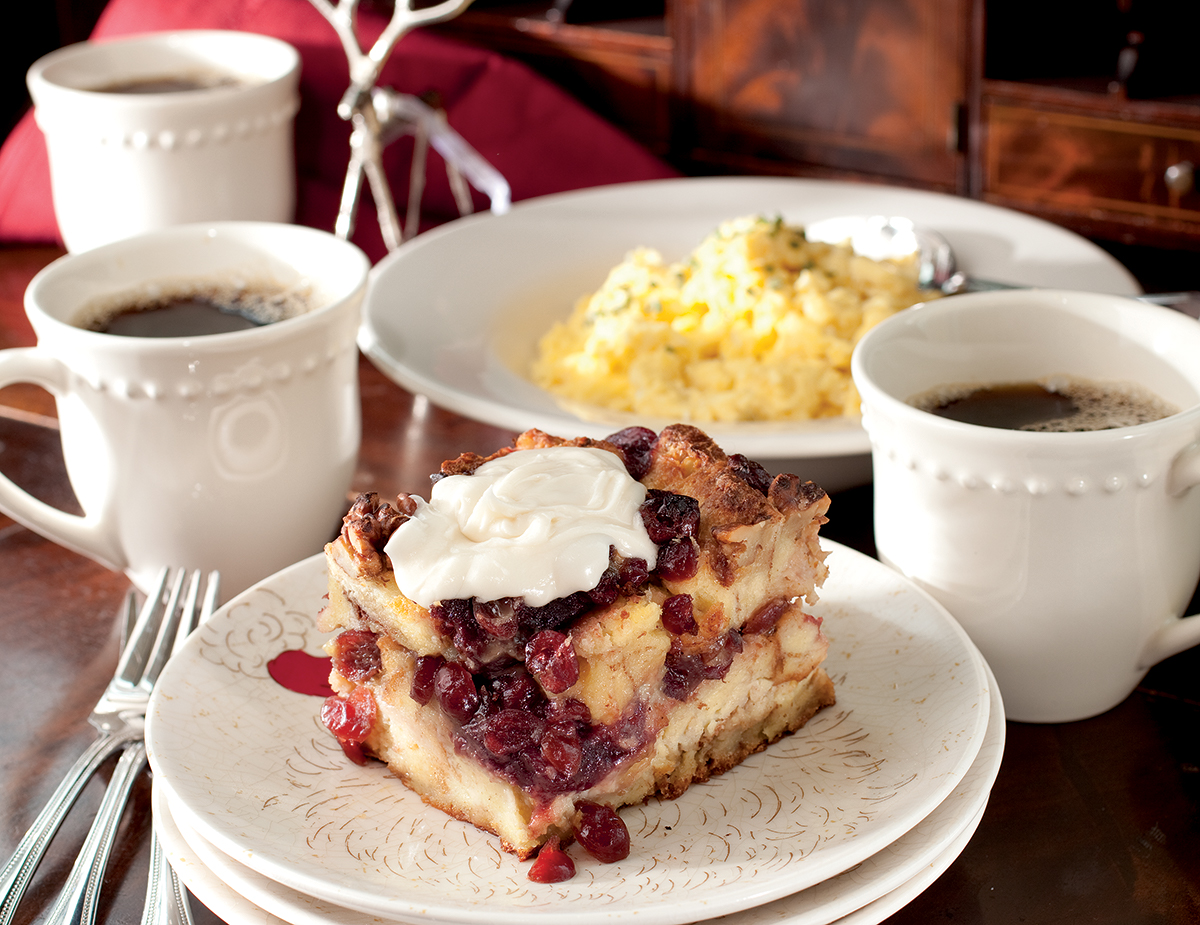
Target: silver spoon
[(883, 237)]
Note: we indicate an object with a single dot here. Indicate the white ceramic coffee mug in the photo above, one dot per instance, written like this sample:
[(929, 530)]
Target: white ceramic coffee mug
[(122, 163), (227, 451), (1067, 557)]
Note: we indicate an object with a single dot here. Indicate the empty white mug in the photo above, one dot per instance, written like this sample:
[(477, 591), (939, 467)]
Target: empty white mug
[(1068, 558), (125, 162), (228, 451)]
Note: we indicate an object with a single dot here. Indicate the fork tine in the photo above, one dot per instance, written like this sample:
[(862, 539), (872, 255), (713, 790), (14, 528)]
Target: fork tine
[(164, 643), (144, 635), (188, 619), (166, 896), (128, 617), (212, 594)]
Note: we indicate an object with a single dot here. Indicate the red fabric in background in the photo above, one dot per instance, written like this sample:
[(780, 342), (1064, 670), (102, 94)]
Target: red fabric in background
[(541, 139)]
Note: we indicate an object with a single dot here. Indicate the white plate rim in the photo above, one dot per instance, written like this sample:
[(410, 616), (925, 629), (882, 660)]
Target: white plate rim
[(500, 398), (879, 889), (171, 746)]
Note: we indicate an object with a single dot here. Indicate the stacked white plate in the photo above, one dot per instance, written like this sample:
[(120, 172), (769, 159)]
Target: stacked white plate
[(845, 821)]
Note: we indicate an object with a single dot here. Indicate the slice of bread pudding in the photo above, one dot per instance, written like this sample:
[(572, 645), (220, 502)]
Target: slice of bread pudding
[(530, 679)]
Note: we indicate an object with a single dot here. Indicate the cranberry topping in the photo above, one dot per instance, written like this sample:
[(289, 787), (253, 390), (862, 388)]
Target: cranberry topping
[(634, 573), (602, 832), (678, 560), (637, 448), (562, 751), (568, 709), (511, 731), (456, 691), (678, 616), (550, 658), (350, 719), (668, 515), (518, 691), (499, 618), (552, 615), (552, 865), (750, 472), (456, 619), (356, 655), (555, 748), (424, 675)]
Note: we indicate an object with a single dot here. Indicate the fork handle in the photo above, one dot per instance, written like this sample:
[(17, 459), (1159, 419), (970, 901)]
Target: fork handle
[(76, 904), (166, 896), (19, 870)]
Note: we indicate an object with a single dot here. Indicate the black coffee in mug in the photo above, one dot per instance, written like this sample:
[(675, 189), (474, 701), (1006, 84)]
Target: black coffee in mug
[(170, 83), (1058, 404), (193, 310)]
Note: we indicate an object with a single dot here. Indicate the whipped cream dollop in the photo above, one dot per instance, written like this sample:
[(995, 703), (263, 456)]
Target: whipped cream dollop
[(535, 524)]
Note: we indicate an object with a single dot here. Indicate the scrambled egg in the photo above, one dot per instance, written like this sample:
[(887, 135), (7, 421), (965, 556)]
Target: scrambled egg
[(757, 324)]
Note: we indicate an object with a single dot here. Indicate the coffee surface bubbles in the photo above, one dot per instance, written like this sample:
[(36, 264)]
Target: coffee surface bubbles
[(1055, 404), (193, 309)]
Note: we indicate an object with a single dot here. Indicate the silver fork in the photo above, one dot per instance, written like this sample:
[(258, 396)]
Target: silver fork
[(166, 896), (76, 904), (119, 718)]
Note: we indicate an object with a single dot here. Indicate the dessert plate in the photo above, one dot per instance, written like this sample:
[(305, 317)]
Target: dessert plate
[(247, 765), (456, 313), (219, 897), (889, 878)]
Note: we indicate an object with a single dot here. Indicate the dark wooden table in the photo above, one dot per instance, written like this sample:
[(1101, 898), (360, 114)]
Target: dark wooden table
[(1089, 822)]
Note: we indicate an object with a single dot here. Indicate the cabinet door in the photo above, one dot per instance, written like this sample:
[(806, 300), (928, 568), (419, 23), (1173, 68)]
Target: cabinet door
[(849, 86)]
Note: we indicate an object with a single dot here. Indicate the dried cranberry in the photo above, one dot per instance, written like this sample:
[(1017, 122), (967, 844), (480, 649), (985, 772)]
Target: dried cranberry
[(678, 560), (668, 515), (562, 750), (511, 731), (677, 615), (455, 618), (684, 673), (718, 659), (424, 673), (350, 717), (356, 655), (556, 613), (568, 709), (456, 691), (602, 832), (517, 691), (634, 573), (608, 588), (354, 751), (750, 472), (552, 864), (766, 616), (637, 447), (550, 658), (498, 618)]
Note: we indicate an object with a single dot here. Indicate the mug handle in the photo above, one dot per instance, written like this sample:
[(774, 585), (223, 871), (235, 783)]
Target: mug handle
[(1184, 632), (86, 535)]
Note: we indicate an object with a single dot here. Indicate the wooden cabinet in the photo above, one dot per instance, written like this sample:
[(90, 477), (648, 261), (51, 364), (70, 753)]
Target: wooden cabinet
[(1104, 166), (1018, 102), (848, 87), (624, 69)]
